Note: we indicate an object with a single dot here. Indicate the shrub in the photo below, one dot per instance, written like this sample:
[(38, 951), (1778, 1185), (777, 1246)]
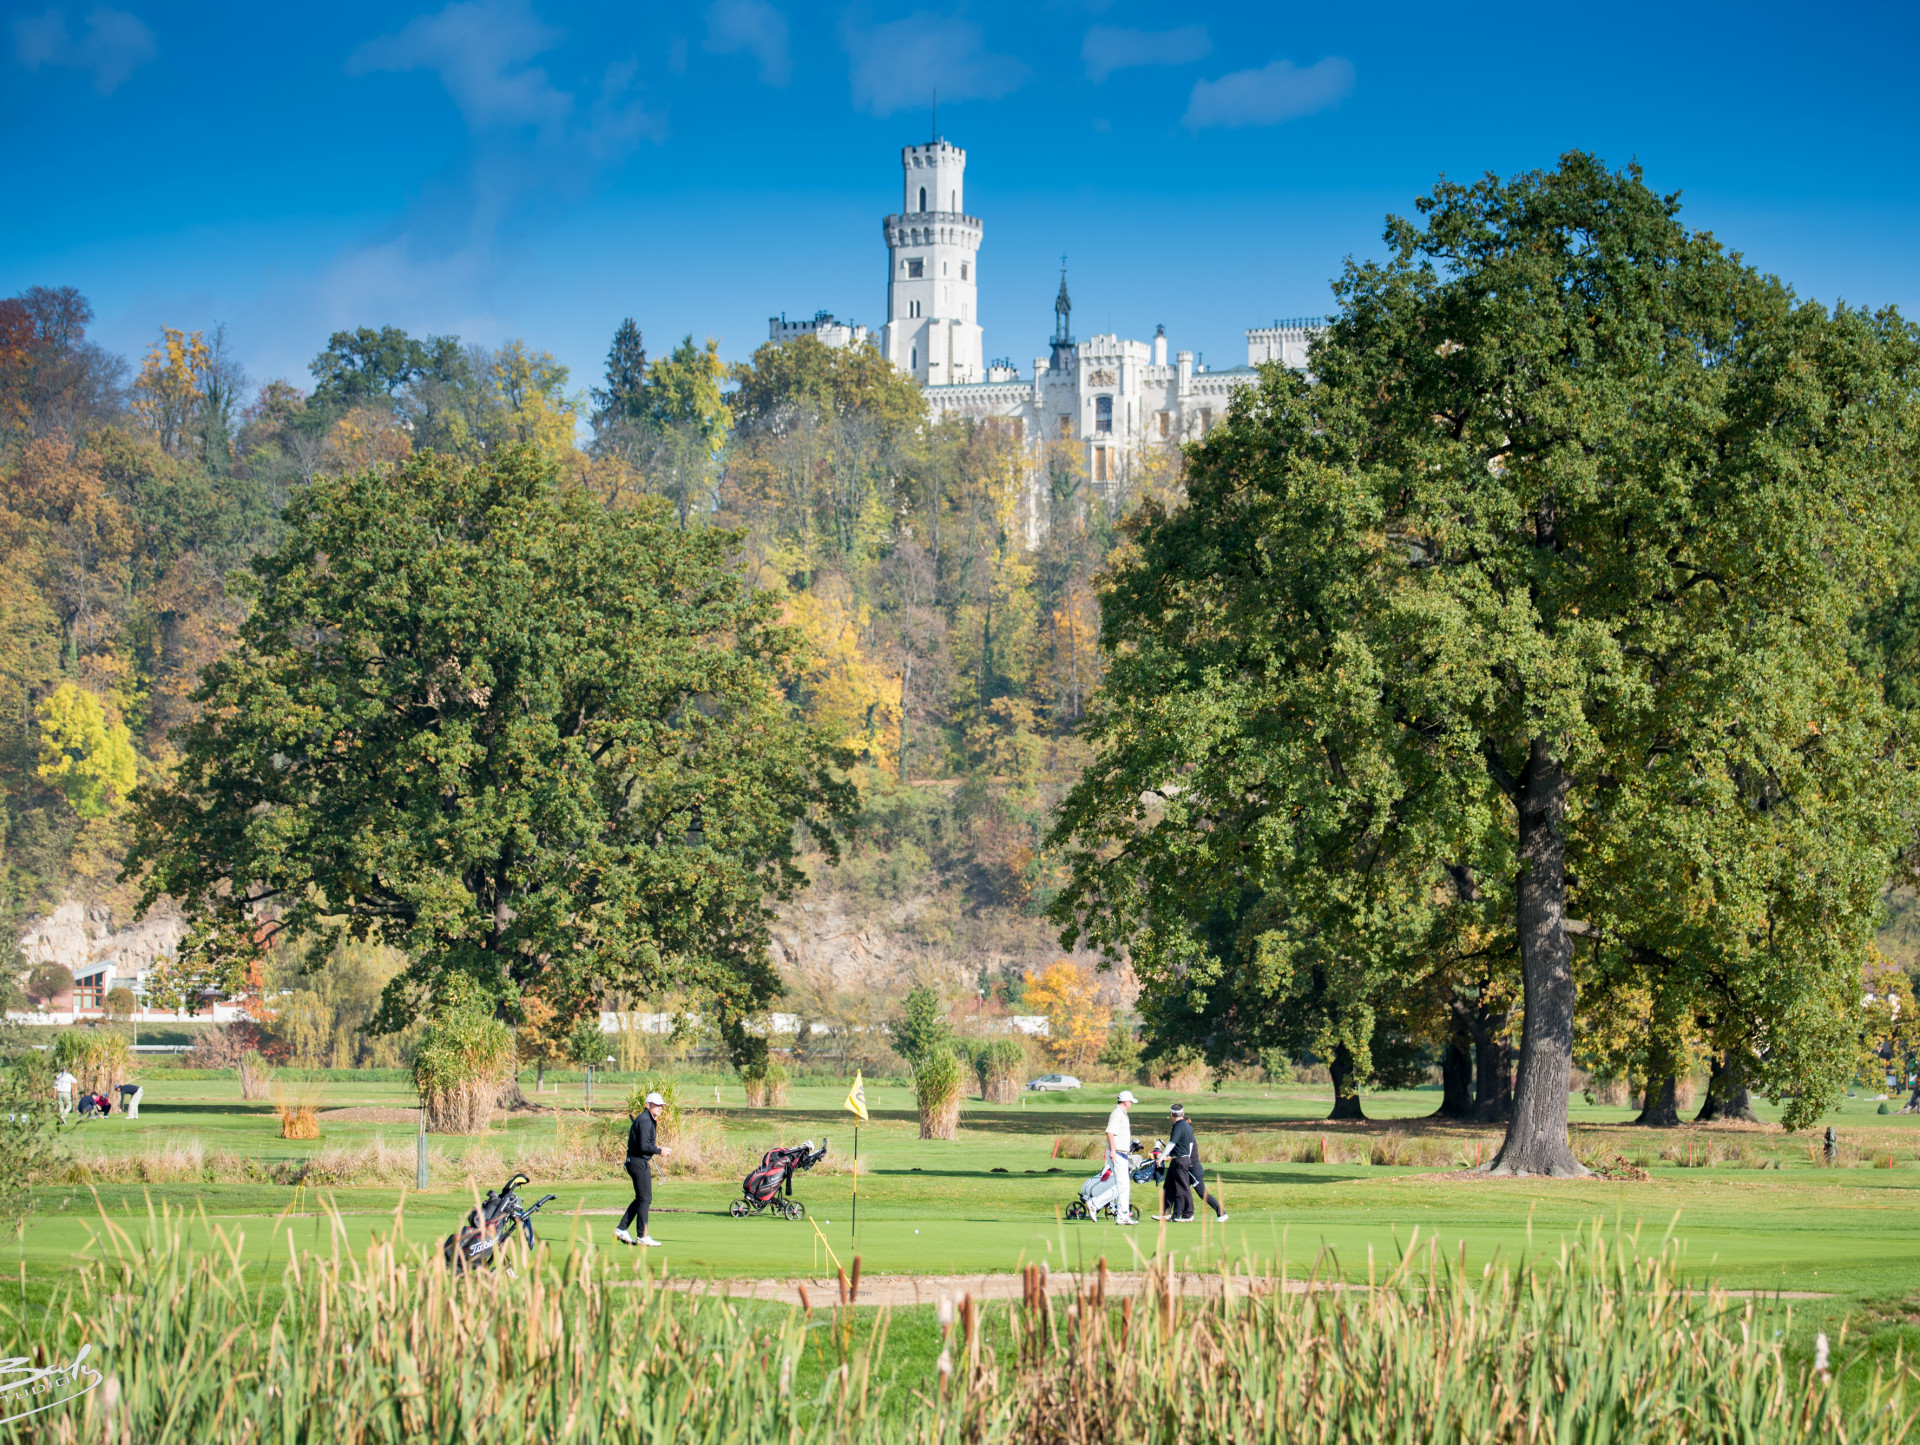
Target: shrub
[(1275, 1066), (121, 1002), (766, 1084), (999, 1066), (922, 1030), (463, 1056), (47, 982), (100, 1059), (224, 1045), (1120, 1056), (936, 1084), (29, 1127)]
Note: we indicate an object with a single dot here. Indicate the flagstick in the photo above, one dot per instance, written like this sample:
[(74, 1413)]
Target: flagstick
[(855, 1230)]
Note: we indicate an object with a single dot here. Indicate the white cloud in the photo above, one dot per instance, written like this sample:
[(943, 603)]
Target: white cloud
[(1273, 93), (483, 50), (480, 49), (755, 27), (116, 44), (1108, 48), (899, 65)]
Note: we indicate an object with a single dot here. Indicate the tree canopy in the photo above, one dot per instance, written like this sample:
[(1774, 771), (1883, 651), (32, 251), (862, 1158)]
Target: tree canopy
[(530, 741), (1533, 608)]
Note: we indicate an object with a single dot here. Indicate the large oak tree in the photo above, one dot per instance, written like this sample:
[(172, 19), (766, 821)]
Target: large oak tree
[(1532, 609), (522, 737)]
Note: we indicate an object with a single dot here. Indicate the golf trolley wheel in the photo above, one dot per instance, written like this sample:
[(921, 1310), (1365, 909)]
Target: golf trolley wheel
[(796, 1210), (1077, 1209), (1133, 1215), (738, 1209)]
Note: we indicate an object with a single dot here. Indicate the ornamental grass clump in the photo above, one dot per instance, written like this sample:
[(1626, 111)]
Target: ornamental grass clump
[(999, 1066), (936, 1087), (386, 1346), (98, 1058), (255, 1075), (461, 1059)]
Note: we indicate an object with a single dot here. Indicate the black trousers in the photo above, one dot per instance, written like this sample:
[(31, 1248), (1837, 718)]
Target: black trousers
[(1200, 1189), (642, 1177), (1176, 1195)]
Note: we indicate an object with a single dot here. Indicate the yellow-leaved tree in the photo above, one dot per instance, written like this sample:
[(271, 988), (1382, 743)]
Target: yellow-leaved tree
[(849, 693), (1077, 1022), (166, 394), (530, 389), (85, 752)]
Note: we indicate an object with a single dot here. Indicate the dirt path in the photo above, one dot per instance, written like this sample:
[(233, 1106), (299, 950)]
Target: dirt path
[(896, 1290)]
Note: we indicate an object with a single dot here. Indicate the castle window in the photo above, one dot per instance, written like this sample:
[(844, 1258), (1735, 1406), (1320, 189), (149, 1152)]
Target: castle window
[(1066, 426), (1166, 422), (916, 268), (963, 270), (913, 359), (1103, 415), (923, 198), (1100, 465), (1206, 420)]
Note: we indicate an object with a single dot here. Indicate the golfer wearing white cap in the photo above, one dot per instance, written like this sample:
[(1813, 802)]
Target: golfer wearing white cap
[(1120, 1155), (642, 1144)]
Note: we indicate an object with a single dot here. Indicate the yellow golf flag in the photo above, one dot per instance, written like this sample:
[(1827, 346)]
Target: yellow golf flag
[(857, 1096)]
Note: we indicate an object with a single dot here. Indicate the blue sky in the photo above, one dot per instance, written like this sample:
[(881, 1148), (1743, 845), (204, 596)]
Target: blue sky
[(502, 168)]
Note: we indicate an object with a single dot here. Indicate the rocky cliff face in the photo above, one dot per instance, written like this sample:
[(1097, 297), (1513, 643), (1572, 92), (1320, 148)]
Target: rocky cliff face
[(82, 938), (838, 942)]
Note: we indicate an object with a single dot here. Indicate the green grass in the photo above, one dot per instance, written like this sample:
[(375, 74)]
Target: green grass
[(1850, 1234)]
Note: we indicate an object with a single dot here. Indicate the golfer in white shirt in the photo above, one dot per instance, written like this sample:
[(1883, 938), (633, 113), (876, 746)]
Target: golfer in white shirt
[(1120, 1154)]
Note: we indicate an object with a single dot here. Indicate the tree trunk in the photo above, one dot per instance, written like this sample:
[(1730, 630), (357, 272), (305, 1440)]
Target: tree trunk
[(1536, 1141), (1492, 1081), (1456, 1075), (1346, 1088), (1727, 1098), (1658, 1108)]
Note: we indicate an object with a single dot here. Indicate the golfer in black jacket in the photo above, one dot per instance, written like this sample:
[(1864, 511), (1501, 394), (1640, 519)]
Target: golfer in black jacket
[(642, 1144), (1184, 1177)]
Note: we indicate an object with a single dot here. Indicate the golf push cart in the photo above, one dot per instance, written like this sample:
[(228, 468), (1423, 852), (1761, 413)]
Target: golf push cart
[(491, 1227), (761, 1191)]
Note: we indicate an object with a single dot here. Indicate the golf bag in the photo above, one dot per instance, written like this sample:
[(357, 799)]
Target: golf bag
[(764, 1185), (1101, 1194), (492, 1226)]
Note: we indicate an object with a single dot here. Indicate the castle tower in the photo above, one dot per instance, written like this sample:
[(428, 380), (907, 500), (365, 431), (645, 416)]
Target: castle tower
[(933, 321)]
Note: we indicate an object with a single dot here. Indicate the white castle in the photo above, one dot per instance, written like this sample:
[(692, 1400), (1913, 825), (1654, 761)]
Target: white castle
[(1112, 397)]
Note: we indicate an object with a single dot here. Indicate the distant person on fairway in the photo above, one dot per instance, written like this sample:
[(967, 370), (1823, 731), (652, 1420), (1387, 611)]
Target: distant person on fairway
[(130, 1099), (1120, 1154), (1184, 1176), (63, 1092), (643, 1142)]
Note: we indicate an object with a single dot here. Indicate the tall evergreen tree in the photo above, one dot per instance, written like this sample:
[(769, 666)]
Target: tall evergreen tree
[(619, 402)]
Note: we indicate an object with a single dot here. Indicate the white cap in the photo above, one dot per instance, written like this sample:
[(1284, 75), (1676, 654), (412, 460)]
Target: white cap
[(656, 1099), (1126, 1097)]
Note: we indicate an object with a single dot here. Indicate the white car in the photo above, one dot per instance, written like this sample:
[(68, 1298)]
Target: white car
[(1050, 1083)]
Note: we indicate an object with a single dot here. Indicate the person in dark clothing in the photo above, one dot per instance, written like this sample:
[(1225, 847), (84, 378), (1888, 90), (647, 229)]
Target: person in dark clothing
[(1184, 1175), (643, 1142)]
